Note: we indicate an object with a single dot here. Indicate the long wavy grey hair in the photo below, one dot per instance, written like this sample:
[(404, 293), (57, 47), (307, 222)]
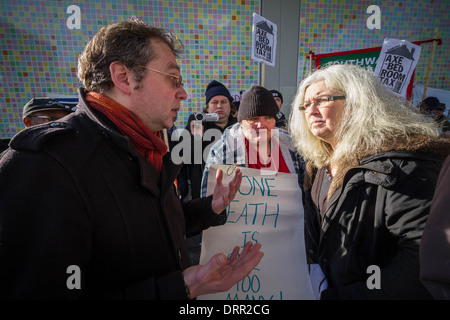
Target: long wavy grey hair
[(373, 116)]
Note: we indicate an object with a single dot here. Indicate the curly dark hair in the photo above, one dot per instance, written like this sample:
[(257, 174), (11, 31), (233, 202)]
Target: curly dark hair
[(128, 42)]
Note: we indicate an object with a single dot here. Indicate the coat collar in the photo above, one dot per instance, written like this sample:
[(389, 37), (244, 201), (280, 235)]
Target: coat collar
[(415, 147), (150, 178), (378, 168), (158, 183)]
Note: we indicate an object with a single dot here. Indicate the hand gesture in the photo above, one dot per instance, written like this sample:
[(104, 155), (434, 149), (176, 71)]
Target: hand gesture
[(220, 274), (223, 195), (196, 128)]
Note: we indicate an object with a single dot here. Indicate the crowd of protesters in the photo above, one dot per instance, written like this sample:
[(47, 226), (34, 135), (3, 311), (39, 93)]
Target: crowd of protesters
[(103, 192)]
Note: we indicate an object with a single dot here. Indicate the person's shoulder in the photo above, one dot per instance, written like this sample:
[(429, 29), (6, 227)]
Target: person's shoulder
[(284, 135), (71, 140), (234, 127), (229, 134), (232, 132), (29, 147), (34, 137)]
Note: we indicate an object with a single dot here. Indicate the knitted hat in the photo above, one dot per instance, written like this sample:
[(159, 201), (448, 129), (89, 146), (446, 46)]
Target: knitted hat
[(215, 88), (278, 94), (257, 102)]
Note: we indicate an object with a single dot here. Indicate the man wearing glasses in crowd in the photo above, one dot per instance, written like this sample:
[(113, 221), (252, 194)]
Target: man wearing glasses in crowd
[(108, 223), (43, 110), (40, 110)]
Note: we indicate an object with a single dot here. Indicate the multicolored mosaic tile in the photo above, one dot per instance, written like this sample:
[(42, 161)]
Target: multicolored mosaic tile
[(39, 52), (328, 26)]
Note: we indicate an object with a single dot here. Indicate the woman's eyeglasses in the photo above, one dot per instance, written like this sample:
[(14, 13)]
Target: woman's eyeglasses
[(319, 102)]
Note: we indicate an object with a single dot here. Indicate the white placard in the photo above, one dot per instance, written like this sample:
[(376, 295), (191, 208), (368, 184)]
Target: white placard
[(264, 40), (396, 64), (267, 209)]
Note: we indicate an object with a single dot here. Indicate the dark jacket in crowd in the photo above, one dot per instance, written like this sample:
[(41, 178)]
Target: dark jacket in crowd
[(376, 213), (281, 121), (4, 144), (75, 193), (435, 245), (195, 170)]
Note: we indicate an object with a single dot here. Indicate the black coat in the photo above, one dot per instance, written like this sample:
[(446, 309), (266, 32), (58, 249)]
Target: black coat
[(375, 215), (74, 192), (435, 245), (194, 168)]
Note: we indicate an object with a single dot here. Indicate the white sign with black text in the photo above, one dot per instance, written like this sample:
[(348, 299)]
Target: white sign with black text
[(396, 64), (268, 210), (264, 40)]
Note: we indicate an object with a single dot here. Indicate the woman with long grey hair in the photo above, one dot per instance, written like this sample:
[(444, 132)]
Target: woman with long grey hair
[(372, 167)]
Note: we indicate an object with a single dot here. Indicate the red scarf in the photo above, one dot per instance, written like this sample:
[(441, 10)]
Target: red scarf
[(147, 143)]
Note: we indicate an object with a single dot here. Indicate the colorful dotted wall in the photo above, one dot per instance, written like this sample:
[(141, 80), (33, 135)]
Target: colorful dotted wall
[(38, 52), (334, 25)]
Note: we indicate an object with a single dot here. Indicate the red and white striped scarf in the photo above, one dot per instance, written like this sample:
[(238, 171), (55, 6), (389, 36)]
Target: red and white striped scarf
[(147, 143)]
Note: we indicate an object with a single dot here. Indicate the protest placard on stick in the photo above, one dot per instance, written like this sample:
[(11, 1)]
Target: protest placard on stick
[(396, 64), (264, 43), (430, 64), (264, 40)]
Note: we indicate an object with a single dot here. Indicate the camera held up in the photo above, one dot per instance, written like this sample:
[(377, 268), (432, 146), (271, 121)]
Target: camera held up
[(207, 117)]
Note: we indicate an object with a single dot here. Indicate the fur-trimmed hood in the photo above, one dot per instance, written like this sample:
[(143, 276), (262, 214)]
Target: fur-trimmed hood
[(411, 147)]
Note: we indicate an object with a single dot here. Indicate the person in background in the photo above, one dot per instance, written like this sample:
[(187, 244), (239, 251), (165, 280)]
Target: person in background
[(435, 245), (99, 216), (218, 100), (428, 104), (255, 142), (281, 118), (38, 111), (43, 110), (372, 167), (439, 117)]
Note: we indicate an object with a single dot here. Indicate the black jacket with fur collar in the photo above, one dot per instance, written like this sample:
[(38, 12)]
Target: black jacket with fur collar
[(376, 211)]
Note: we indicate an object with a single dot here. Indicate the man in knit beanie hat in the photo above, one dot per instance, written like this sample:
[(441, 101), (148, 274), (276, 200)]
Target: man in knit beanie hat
[(257, 102), (220, 101), (255, 142), (257, 115), (215, 88)]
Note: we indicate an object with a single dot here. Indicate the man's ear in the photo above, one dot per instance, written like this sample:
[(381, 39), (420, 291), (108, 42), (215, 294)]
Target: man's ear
[(120, 76)]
